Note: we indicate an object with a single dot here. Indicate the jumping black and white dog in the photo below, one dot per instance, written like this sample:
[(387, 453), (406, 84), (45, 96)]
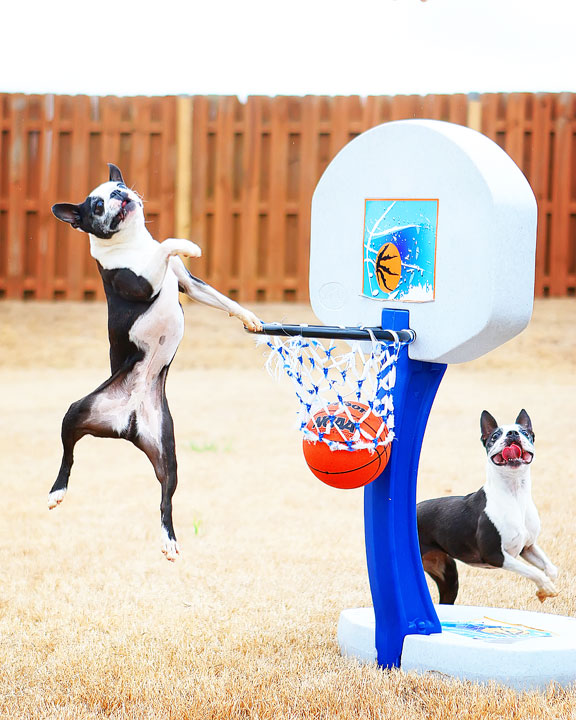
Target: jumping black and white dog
[(142, 279), (494, 526)]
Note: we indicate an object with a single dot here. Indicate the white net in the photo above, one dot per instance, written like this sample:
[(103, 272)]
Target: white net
[(337, 378)]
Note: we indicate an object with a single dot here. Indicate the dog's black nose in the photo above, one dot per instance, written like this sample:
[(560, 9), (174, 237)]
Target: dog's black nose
[(513, 435), (119, 194)]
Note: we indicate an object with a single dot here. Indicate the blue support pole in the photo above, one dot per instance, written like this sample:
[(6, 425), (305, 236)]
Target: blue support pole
[(402, 602)]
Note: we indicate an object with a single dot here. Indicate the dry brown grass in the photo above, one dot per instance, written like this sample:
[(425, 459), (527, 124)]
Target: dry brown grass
[(94, 623)]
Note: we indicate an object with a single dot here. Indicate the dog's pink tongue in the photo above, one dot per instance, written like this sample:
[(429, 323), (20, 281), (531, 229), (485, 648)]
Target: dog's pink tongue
[(512, 452)]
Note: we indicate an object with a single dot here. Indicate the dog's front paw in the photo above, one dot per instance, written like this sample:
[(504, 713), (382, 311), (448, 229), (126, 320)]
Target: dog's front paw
[(552, 572), (249, 320), (191, 250), (55, 498), (187, 248), (547, 590)]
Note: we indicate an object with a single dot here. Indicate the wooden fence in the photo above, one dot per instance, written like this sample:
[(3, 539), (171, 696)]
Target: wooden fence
[(238, 179)]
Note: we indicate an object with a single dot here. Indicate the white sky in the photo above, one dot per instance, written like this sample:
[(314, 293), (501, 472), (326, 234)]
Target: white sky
[(297, 47)]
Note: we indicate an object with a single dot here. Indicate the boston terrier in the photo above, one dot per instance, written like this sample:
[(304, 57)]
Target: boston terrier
[(142, 279), (492, 527)]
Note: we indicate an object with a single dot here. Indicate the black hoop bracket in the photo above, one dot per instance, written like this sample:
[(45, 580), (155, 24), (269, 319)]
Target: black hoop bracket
[(336, 332)]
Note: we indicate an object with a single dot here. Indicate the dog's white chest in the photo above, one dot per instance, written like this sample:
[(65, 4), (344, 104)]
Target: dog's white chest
[(159, 330), (514, 516)]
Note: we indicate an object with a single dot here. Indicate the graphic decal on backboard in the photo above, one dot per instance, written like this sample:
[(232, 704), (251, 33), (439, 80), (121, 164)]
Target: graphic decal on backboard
[(400, 249), (494, 631)]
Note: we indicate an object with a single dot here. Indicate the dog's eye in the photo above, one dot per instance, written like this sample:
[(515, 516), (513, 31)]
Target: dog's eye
[(99, 206)]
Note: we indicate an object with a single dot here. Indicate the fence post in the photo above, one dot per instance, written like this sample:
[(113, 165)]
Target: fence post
[(474, 112), (184, 120)]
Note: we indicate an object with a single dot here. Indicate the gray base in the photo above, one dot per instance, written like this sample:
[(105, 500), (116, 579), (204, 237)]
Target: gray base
[(520, 649)]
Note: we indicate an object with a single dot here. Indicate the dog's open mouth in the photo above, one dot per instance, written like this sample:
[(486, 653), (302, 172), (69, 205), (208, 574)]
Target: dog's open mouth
[(512, 455), (125, 208)]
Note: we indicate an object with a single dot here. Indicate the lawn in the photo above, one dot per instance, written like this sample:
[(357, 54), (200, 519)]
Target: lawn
[(95, 623)]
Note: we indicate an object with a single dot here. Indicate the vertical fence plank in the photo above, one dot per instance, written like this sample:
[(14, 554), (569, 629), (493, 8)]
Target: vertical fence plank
[(5, 142), (78, 170), (308, 181), (458, 108), (219, 251), (514, 127), (136, 145), (277, 203), (491, 127), (46, 236), (540, 181), (163, 158), (31, 188), (340, 123), (15, 222), (570, 260), (248, 261), (561, 195)]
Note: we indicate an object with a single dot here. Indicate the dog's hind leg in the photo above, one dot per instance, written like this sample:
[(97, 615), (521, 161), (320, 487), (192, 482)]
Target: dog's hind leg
[(102, 413), (442, 569), (163, 460), (160, 448), (72, 430)]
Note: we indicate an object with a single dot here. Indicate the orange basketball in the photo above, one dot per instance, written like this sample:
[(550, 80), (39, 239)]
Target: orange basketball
[(388, 267), (345, 468)]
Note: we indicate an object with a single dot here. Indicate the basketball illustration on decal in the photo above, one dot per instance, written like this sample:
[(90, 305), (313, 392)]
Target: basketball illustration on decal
[(388, 267)]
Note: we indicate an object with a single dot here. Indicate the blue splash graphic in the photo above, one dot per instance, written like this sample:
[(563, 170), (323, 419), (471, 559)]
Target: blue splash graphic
[(406, 228)]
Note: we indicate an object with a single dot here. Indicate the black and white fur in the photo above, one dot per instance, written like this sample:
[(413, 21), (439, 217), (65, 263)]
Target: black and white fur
[(142, 280), (494, 526)]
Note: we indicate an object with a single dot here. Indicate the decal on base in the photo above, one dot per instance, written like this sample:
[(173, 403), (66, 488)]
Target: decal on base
[(494, 631)]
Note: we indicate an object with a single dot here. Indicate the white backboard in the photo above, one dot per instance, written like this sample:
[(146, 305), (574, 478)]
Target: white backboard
[(429, 217)]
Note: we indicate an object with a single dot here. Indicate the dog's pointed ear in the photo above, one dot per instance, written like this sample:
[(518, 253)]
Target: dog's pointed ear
[(487, 426), (67, 212), (115, 174), (524, 421)]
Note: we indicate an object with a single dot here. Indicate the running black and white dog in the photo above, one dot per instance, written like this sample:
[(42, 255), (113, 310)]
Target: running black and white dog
[(142, 279), (494, 526)]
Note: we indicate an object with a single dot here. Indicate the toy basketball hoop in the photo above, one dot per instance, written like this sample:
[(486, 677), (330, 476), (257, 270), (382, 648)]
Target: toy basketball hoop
[(343, 378), (427, 230)]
